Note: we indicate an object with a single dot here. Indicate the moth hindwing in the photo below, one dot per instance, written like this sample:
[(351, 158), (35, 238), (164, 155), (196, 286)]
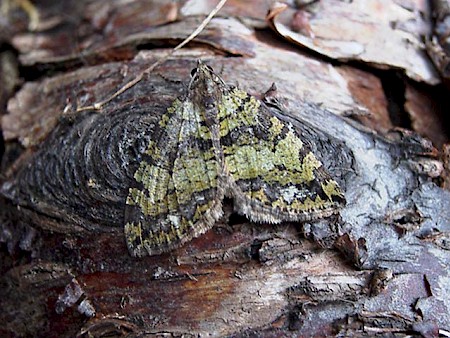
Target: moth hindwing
[(218, 142)]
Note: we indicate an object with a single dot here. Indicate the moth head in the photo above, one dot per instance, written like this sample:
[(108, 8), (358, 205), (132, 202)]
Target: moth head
[(204, 78)]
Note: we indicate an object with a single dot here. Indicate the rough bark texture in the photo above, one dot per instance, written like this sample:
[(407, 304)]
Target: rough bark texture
[(381, 267)]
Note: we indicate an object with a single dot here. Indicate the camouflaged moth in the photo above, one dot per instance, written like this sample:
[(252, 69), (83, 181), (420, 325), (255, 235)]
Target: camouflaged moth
[(221, 142)]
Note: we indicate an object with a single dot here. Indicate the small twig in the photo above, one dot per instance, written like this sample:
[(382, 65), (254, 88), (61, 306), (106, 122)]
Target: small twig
[(27, 6), (137, 79)]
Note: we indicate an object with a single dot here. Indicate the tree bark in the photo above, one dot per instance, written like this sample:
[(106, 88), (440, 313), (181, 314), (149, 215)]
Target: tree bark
[(380, 267)]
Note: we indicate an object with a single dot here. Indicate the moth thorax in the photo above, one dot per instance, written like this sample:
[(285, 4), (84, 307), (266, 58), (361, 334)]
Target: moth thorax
[(210, 114)]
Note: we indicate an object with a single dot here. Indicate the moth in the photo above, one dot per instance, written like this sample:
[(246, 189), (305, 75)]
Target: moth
[(216, 142)]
